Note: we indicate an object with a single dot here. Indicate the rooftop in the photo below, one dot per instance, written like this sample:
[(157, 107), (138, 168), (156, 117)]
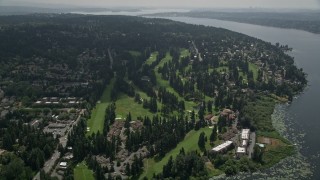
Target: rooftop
[(245, 133), (222, 146), (63, 164), (244, 143), (241, 150)]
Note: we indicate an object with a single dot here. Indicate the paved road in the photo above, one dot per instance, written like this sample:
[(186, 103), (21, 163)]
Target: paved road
[(197, 51), (252, 143), (110, 57), (235, 123)]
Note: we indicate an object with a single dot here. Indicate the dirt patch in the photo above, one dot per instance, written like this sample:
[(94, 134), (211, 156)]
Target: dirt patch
[(270, 142), (264, 140)]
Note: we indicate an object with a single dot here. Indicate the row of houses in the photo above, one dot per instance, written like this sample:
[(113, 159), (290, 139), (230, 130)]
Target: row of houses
[(52, 101)]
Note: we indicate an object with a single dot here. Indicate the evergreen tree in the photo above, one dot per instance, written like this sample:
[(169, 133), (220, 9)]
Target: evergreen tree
[(213, 135), (209, 106), (201, 141)]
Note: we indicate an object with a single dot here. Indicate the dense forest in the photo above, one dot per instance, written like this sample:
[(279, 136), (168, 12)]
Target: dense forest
[(129, 90)]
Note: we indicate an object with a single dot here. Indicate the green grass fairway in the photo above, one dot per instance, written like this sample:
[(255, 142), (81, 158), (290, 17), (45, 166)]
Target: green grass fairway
[(152, 58), (95, 123), (81, 172), (190, 143), (126, 104), (166, 59), (254, 69), (135, 53), (184, 53)]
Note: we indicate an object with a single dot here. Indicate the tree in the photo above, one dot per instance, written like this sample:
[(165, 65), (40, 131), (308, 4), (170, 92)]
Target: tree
[(128, 170), (230, 170), (213, 135), (36, 158), (193, 118), (128, 120), (209, 106), (201, 114), (257, 154), (166, 172), (153, 105), (137, 98), (15, 169), (201, 141), (222, 122)]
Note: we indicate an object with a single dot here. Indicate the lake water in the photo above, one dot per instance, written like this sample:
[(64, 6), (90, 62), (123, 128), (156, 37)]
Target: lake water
[(137, 12), (299, 121)]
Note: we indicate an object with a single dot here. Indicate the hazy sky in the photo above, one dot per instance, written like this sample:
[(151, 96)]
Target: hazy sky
[(299, 4)]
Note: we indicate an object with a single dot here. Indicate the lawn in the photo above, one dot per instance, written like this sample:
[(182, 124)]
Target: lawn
[(81, 172), (166, 59), (254, 69), (95, 123), (152, 58), (184, 53), (126, 104), (135, 53), (190, 143)]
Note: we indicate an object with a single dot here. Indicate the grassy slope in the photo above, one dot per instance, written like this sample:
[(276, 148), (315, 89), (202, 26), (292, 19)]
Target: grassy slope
[(126, 104), (184, 53), (81, 172), (98, 113), (190, 143), (254, 69), (135, 53), (152, 58)]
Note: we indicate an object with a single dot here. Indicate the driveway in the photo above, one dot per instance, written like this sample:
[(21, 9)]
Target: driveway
[(252, 143)]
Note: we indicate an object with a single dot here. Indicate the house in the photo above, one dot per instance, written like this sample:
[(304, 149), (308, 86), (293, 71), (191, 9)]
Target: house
[(226, 112), (245, 134), (208, 117), (145, 78), (35, 123), (38, 102), (244, 143), (241, 151), (63, 165), (68, 156)]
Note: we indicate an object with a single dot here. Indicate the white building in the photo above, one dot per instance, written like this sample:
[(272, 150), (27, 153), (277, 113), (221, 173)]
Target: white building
[(222, 147), (244, 143), (63, 165), (245, 134), (241, 151)]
